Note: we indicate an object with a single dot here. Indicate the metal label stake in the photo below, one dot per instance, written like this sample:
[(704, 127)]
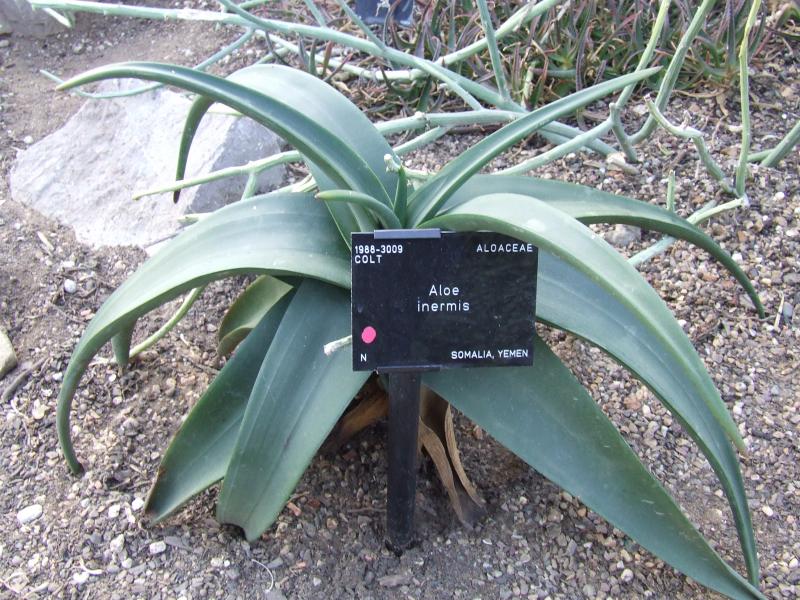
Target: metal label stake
[(425, 299), (404, 398)]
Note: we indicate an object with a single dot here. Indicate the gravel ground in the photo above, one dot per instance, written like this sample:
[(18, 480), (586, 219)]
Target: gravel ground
[(84, 537)]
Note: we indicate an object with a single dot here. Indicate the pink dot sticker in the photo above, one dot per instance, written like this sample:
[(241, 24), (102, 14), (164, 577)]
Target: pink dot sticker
[(369, 334)]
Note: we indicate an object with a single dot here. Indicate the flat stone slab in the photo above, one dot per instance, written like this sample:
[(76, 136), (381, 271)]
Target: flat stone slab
[(85, 174)]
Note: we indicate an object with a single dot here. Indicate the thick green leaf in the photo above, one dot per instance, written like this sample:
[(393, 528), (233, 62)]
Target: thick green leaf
[(569, 299), (542, 414), (194, 117), (427, 199), (329, 109), (347, 218), (247, 310), (201, 449), (532, 220), (330, 154), (592, 291), (296, 400), (280, 233), (595, 206), (326, 106)]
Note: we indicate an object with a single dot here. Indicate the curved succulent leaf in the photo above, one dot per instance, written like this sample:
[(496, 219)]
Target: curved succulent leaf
[(589, 289), (330, 154), (532, 220), (542, 414), (381, 212), (297, 397), (201, 449), (247, 310), (194, 117), (280, 233), (427, 199), (589, 205), (571, 300), (327, 107)]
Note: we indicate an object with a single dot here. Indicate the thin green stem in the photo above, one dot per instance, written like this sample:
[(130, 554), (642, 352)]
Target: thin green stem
[(523, 16), (424, 120), (255, 166), (384, 52), (251, 186), (251, 3), (65, 20), (619, 132), (644, 61), (142, 12), (704, 214), (783, 148), (674, 69), (696, 137), (418, 175), (671, 191), (494, 52), (647, 55), (744, 96), (561, 150), (555, 132), (360, 24), (562, 133), (331, 347), (421, 140), (187, 303), (315, 12)]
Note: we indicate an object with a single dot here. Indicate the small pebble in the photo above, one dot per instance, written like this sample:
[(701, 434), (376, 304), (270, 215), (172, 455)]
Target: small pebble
[(28, 139), (788, 312), (80, 578), (39, 411), (117, 543), (29, 514), (627, 576), (4, 43), (767, 510), (70, 286), (157, 547)]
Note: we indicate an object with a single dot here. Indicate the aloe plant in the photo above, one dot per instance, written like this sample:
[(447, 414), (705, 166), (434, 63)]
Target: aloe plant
[(270, 408)]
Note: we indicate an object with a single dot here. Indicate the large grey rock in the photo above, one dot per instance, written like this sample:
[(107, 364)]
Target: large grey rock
[(85, 173), (8, 359), (17, 16)]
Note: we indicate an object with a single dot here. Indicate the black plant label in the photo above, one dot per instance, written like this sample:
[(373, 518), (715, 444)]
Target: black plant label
[(426, 299)]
